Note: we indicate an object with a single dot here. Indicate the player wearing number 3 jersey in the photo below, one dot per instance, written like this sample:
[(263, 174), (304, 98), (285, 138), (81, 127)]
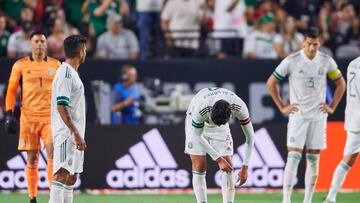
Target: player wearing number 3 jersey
[(34, 74), (307, 71)]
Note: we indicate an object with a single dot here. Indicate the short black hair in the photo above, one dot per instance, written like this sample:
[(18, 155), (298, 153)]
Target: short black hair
[(220, 112), (37, 32), (73, 44), (312, 32)]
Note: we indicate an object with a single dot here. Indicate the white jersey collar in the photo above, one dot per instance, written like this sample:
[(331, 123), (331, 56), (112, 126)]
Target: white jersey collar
[(307, 58)]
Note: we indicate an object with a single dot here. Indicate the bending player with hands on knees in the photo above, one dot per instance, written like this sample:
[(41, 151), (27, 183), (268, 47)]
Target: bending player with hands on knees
[(207, 132)]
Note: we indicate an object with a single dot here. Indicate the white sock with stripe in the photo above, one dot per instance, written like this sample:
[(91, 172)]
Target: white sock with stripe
[(199, 186), (68, 194), (290, 173), (227, 187), (56, 192), (338, 179), (311, 175)]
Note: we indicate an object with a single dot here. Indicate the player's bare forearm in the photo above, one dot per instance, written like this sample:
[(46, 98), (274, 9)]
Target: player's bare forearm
[(339, 92), (274, 92), (65, 116)]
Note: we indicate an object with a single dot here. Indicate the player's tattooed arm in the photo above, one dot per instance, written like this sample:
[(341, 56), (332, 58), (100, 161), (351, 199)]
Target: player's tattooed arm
[(65, 116), (78, 141)]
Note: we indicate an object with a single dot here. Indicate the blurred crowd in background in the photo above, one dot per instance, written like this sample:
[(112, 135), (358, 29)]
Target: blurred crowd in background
[(143, 29)]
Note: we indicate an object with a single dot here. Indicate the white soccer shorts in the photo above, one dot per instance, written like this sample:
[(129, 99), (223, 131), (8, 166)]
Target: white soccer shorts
[(193, 144), (311, 134), (67, 156), (352, 145)]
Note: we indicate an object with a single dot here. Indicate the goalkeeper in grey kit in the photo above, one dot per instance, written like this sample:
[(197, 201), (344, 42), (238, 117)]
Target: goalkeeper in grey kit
[(207, 132)]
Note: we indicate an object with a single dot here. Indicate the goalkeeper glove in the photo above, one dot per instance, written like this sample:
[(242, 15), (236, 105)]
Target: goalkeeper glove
[(11, 124)]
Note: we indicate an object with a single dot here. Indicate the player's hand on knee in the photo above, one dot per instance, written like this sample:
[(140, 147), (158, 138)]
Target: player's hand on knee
[(11, 124), (326, 108), (224, 165), (291, 108), (79, 142), (242, 176)]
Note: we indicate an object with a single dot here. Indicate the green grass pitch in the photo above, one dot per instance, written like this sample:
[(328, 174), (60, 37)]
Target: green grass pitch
[(181, 198)]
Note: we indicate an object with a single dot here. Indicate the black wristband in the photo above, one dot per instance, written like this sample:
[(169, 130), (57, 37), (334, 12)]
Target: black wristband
[(9, 113)]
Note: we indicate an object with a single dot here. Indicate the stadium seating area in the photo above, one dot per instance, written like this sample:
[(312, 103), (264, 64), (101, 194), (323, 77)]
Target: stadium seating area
[(181, 28)]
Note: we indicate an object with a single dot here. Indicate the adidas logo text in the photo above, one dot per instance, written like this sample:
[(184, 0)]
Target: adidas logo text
[(149, 164)]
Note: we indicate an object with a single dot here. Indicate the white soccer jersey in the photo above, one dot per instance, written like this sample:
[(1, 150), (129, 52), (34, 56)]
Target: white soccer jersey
[(307, 81), (201, 105), (261, 44), (67, 89), (352, 114)]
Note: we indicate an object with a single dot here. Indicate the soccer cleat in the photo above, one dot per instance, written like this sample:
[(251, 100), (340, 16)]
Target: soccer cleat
[(327, 201), (33, 200)]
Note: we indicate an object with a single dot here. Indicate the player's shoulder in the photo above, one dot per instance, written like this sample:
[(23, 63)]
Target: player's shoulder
[(64, 71), (22, 61), (325, 57), (355, 62), (294, 56), (53, 61)]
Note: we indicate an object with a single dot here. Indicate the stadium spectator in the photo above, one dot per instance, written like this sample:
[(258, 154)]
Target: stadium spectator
[(180, 22), (55, 40), (19, 42), (289, 40), (125, 97), (230, 26), (99, 10), (73, 12), (148, 22), (12, 10), (67, 28), (117, 42), (4, 36), (305, 12), (344, 27), (259, 44)]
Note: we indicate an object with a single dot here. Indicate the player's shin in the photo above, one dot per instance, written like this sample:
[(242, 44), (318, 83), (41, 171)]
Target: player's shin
[(227, 187), (311, 175), (56, 192), (49, 171), (338, 179), (290, 174), (199, 186), (32, 178), (68, 194)]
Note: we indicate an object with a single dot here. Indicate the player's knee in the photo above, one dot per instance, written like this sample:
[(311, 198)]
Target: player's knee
[(71, 180), (61, 176), (198, 166), (350, 159), (32, 158)]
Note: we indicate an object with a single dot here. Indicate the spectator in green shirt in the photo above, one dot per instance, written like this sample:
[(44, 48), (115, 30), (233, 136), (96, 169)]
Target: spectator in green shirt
[(98, 11), (12, 10)]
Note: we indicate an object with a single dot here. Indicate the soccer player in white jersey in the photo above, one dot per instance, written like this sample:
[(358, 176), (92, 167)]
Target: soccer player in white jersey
[(68, 121), (207, 132), (307, 71), (352, 127)]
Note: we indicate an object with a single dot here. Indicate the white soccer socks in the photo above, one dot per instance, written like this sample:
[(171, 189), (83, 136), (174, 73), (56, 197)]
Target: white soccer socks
[(311, 175), (338, 179), (68, 194), (56, 192), (227, 187), (199, 185), (290, 173)]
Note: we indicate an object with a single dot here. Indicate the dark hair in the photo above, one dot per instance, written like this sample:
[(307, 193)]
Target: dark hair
[(73, 44), (37, 32), (344, 5), (312, 32), (220, 112)]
